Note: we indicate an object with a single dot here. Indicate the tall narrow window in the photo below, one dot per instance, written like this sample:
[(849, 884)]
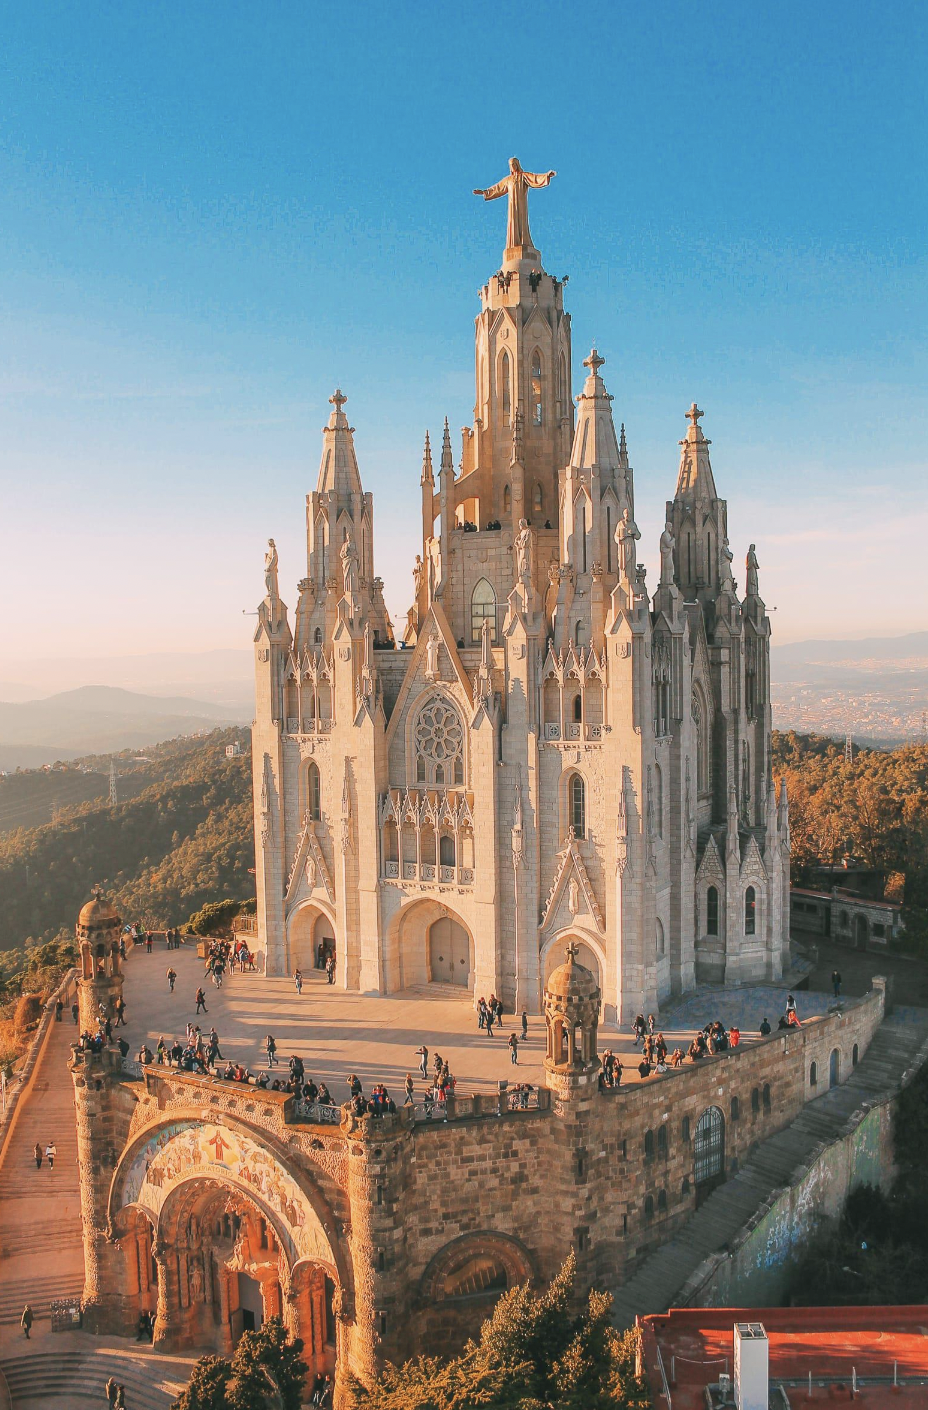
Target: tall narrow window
[(507, 499), (538, 499), (661, 942), (562, 392), (750, 911), (505, 387), (658, 801), (712, 911), (608, 538), (482, 608), (581, 534), (313, 793), (537, 409), (578, 707), (577, 800)]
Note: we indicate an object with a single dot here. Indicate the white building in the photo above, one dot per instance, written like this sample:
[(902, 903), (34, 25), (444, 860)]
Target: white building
[(557, 753)]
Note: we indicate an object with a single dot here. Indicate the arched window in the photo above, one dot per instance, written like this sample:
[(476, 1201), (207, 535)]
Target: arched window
[(505, 387), (750, 911), (699, 732), (446, 851), (712, 911), (709, 1147), (507, 499), (755, 1101), (538, 498), (317, 636), (658, 801), (482, 608), (662, 1202), (576, 794), (813, 1074), (536, 401), (662, 1142), (649, 1145), (580, 635), (578, 707), (685, 1129), (766, 1096), (855, 1055), (648, 1208), (562, 387), (661, 943), (685, 1187), (608, 538), (735, 1109), (834, 1068), (439, 744), (580, 535), (313, 793)]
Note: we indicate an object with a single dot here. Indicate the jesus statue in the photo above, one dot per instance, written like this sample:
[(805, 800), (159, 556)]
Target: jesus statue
[(515, 186)]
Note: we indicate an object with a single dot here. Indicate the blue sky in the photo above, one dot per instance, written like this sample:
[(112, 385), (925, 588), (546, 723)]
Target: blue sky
[(211, 214)]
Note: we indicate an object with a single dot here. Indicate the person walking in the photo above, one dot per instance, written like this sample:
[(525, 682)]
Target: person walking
[(111, 1387), (120, 1012), (513, 1049), (423, 1055), (298, 981), (50, 1152), (524, 1025), (37, 1156), (59, 1010), (120, 1402), (172, 978), (409, 1099), (26, 1321), (149, 940), (75, 1012), (201, 1001), (271, 1048), (836, 982), (330, 969)]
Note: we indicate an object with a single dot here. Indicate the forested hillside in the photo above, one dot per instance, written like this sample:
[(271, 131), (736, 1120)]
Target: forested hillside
[(184, 839), (875, 807)]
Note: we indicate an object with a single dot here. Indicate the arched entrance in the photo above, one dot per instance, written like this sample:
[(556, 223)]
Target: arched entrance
[(449, 953), (709, 1152), (235, 1237), (311, 938), (861, 932)]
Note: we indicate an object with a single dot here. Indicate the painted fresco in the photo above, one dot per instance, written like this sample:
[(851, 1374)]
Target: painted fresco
[(190, 1149)]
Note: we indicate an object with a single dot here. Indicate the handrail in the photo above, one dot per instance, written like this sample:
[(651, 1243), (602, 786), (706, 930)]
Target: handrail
[(660, 1367), (33, 1053)]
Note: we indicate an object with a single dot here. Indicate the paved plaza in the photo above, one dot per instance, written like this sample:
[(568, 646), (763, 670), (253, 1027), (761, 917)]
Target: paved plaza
[(376, 1037)]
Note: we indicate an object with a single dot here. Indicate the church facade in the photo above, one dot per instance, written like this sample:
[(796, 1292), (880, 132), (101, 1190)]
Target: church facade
[(553, 753)]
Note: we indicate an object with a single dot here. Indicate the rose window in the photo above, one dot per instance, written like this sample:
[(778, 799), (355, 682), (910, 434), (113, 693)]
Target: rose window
[(439, 745)]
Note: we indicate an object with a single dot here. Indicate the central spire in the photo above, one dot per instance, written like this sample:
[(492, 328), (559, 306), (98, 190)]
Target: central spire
[(519, 243)]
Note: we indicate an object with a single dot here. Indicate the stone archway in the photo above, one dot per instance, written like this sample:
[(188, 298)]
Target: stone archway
[(587, 955), (238, 1238), (428, 943), (308, 928)]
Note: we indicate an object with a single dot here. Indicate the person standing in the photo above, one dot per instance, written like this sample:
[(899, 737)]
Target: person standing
[(524, 1025), (26, 1321), (111, 1388), (37, 1156), (330, 969), (298, 981), (201, 1001), (50, 1152), (59, 1009), (271, 1048), (513, 1049), (836, 982), (409, 1099), (75, 1012), (120, 1012), (120, 1402), (423, 1055), (149, 939), (172, 977)]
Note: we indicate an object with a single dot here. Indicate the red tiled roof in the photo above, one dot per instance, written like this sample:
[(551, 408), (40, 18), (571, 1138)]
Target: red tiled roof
[(831, 1342)]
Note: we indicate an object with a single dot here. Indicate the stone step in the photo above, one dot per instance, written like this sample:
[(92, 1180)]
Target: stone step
[(151, 1382)]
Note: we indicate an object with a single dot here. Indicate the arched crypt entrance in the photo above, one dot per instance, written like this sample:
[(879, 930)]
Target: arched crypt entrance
[(218, 1235), (309, 932), (428, 943)]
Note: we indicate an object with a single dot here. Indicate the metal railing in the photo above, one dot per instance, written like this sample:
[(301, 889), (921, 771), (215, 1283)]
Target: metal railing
[(316, 1113)]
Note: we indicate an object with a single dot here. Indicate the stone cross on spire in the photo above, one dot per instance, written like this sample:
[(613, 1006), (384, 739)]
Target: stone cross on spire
[(594, 362), (572, 951), (338, 399), (693, 416), (515, 186)]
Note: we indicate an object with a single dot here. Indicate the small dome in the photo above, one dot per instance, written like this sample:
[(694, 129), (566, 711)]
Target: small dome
[(573, 980), (98, 914)]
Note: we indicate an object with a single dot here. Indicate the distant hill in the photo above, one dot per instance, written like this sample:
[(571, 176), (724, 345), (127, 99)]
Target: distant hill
[(874, 648), (100, 719), (184, 838)]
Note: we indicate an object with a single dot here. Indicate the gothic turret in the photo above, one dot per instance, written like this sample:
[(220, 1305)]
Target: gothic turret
[(698, 517)]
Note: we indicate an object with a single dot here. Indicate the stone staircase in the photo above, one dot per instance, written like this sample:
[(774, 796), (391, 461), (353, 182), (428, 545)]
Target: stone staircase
[(75, 1379), (898, 1048)]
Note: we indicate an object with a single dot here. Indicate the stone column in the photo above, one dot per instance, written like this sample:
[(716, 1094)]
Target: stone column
[(168, 1315)]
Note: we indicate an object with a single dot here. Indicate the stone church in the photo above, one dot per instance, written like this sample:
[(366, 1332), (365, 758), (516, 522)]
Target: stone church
[(553, 752)]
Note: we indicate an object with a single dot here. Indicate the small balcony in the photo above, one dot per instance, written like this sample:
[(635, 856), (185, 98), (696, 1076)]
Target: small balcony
[(591, 734), (428, 873)]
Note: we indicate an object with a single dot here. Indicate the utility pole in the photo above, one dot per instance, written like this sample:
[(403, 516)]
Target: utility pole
[(848, 749), (113, 777)]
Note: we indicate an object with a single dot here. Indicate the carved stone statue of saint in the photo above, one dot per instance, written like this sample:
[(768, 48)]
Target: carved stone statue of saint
[(524, 543), (627, 535), (667, 547), (417, 572), (751, 566), (515, 186), (349, 560), (270, 571), (727, 558), (431, 657), (573, 896), (196, 1280)]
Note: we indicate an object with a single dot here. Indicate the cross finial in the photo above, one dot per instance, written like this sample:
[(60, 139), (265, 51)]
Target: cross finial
[(594, 362), (339, 399), (573, 950), (694, 414)]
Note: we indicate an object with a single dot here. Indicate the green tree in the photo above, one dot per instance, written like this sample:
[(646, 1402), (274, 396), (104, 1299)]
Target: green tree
[(267, 1368), (206, 1389), (533, 1354)]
